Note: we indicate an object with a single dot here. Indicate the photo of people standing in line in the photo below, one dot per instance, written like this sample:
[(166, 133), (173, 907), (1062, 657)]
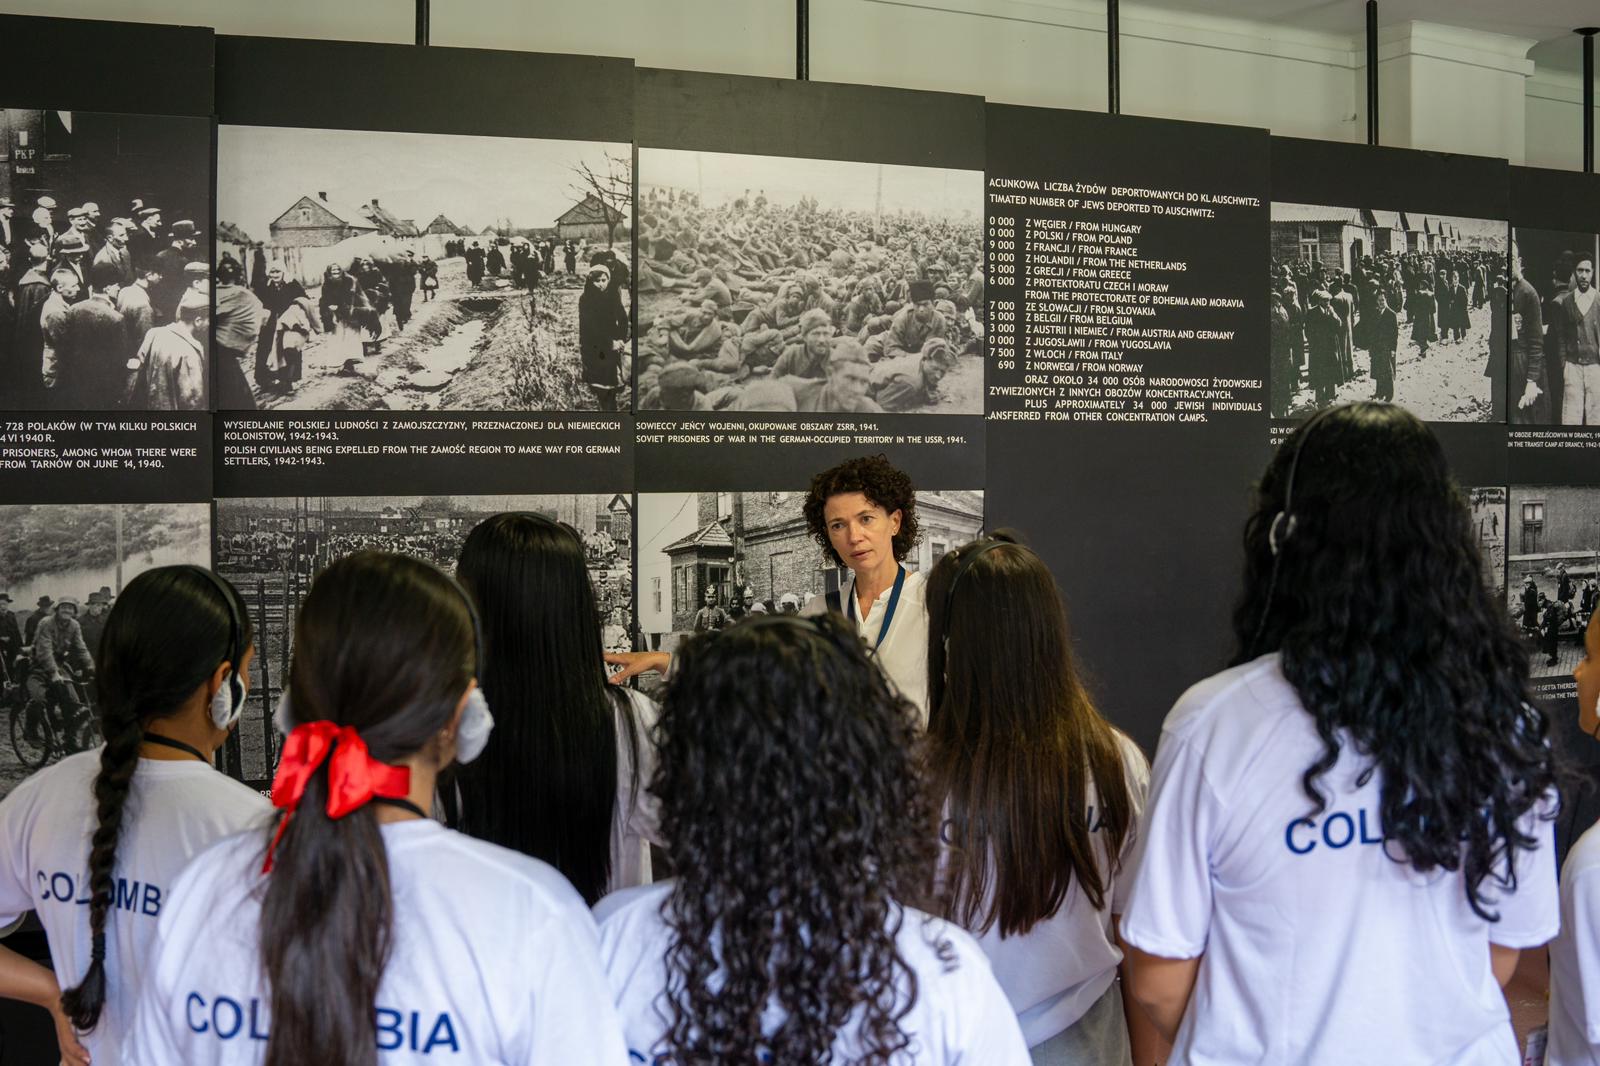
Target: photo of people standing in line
[(369, 270), (1400, 306)]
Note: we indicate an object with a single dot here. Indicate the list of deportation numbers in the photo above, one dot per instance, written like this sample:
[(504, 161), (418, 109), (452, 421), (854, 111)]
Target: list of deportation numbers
[(1087, 326)]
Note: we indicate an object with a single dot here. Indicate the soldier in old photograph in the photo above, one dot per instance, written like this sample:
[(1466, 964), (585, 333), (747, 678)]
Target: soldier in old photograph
[(757, 288)]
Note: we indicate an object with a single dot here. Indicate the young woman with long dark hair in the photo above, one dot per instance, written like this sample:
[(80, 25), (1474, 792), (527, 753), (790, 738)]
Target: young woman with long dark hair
[(792, 809), (564, 779), (95, 843), (358, 930), (1348, 837), (1041, 798)]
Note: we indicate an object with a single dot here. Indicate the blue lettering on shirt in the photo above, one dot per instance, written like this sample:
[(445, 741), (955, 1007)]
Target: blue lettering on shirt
[(1338, 831), (227, 1018), (135, 897)]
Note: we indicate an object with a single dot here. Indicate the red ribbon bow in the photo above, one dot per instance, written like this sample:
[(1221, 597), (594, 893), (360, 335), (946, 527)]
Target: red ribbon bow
[(355, 778)]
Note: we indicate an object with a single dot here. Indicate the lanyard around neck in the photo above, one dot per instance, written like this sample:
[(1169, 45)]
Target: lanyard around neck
[(888, 614), (168, 742)]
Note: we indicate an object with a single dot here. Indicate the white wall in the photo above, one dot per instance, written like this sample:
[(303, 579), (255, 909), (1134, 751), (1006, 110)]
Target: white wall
[(1554, 121), (1442, 87)]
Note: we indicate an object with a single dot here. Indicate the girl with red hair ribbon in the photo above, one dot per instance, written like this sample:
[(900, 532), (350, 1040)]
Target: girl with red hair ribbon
[(359, 930)]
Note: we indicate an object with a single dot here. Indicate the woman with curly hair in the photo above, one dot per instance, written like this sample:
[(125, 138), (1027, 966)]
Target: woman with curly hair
[(1041, 798), (792, 809), (1348, 838), (863, 514)]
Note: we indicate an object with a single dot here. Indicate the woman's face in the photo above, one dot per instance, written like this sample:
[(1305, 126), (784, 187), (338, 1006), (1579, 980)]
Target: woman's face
[(860, 531), (1587, 675)]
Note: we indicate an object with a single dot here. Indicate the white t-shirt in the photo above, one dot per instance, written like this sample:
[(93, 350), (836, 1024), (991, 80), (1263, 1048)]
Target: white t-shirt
[(1057, 970), (903, 656), (1575, 960), (635, 821), (1314, 942), (175, 808), (493, 961), (960, 1016)]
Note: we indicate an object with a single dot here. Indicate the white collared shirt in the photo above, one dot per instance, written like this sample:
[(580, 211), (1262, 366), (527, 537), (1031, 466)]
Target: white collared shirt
[(903, 655)]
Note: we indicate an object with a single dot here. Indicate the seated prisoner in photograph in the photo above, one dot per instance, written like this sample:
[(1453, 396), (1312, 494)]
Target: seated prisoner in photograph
[(1349, 833), (564, 740), (95, 843), (792, 805), (1040, 803), (358, 929), (863, 514)]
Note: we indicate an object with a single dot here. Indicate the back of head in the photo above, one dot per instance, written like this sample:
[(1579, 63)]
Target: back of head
[(791, 806), (384, 644), (1363, 572), (555, 742), (163, 641), (1015, 742)]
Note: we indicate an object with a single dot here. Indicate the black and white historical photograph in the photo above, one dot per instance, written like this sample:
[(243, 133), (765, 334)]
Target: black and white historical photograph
[(708, 559), (771, 283), (1489, 520), (1373, 304), (370, 270), (1553, 376), (1553, 571), (62, 567), (271, 549), (104, 295)]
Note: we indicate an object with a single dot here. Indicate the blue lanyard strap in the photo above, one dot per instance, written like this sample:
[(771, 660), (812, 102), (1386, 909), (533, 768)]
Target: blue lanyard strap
[(888, 614)]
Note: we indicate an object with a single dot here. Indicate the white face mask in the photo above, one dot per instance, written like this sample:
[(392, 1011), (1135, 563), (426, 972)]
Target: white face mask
[(477, 722)]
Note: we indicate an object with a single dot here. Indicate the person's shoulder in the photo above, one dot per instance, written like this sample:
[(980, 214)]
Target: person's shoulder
[(477, 866), (235, 795), (941, 953), (1234, 702), (1583, 861), (69, 776), (632, 906)]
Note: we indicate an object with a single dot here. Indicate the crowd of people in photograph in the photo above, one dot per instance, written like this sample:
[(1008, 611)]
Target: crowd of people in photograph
[(102, 311), (773, 307), (1322, 316), (1545, 618)]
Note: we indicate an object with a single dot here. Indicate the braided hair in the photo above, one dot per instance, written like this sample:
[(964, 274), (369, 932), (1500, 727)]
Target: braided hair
[(163, 640)]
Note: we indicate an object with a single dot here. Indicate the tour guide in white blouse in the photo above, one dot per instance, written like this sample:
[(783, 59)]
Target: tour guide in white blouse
[(863, 513)]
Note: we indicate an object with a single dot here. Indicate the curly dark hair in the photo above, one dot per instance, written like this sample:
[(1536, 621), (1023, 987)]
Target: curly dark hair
[(880, 482), (792, 808), (1377, 604)]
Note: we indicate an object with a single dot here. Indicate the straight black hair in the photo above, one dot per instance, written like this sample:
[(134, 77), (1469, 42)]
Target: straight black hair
[(166, 635), (383, 643), (547, 783)]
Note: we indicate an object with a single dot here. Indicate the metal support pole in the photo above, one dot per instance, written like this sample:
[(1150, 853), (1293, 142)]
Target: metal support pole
[(1372, 71), (1114, 57), (802, 40), (423, 15), (1588, 33)]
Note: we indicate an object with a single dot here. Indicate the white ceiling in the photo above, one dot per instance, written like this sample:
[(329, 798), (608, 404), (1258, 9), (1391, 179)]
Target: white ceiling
[(1550, 22)]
